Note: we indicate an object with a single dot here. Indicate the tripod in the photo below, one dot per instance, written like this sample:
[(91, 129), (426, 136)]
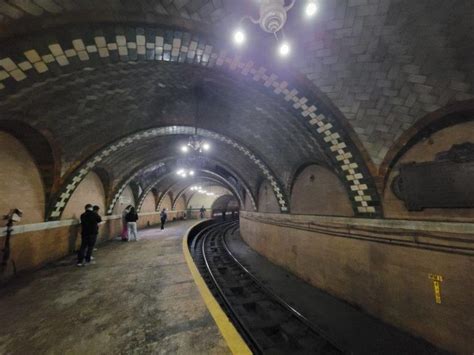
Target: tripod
[(13, 216)]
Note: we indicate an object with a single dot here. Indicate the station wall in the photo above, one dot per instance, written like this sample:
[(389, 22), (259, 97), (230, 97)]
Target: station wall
[(381, 266)]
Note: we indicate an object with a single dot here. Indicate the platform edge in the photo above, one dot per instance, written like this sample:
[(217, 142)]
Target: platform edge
[(235, 342)]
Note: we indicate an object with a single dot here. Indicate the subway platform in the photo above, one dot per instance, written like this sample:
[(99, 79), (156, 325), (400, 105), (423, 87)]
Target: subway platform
[(139, 298)]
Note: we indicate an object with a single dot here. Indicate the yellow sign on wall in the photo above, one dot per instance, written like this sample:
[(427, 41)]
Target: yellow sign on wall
[(437, 279)]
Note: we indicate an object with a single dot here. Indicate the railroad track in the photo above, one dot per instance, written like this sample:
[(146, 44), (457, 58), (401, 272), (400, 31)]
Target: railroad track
[(266, 322)]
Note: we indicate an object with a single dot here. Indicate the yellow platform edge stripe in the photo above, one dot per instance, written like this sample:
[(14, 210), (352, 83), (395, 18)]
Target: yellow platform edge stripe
[(234, 341)]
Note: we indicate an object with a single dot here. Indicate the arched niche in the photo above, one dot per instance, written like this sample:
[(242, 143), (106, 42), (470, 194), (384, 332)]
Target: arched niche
[(425, 150), (90, 190), (21, 185), (105, 178), (319, 191), (181, 203), (41, 150), (149, 204), (267, 201), (125, 199), (166, 202)]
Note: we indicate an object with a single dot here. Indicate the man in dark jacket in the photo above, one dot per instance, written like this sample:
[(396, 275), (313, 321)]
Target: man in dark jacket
[(202, 212), (89, 229), (163, 218), (96, 209)]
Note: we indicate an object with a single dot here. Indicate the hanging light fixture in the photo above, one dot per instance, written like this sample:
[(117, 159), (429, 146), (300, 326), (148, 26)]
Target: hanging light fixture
[(195, 142), (273, 15)]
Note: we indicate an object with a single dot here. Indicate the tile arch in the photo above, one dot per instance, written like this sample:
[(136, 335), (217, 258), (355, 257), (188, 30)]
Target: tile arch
[(76, 177), (29, 65)]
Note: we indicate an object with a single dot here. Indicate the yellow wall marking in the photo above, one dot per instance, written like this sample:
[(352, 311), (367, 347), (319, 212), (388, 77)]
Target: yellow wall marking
[(235, 342), (437, 279)]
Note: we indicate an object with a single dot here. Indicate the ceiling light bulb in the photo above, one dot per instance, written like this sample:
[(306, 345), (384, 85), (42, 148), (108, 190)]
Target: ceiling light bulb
[(191, 172), (239, 37), (184, 149), (311, 9), (284, 49), (206, 146)]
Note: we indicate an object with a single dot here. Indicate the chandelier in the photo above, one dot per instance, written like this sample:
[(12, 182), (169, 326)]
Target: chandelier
[(185, 172), (272, 18), (196, 143), (199, 189)]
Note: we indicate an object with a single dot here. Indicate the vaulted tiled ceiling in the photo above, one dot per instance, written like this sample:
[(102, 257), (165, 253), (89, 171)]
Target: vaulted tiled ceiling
[(383, 63), (375, 67), (387, 63)]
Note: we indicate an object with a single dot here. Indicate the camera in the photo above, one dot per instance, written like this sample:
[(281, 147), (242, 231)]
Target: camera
[(14, 215)]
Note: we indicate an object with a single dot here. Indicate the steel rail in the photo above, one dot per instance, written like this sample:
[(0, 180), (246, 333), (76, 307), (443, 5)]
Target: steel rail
[(247, 334), (281, 301), (225, 254)]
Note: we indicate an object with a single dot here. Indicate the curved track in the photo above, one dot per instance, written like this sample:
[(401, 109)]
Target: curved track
[(267, 323)]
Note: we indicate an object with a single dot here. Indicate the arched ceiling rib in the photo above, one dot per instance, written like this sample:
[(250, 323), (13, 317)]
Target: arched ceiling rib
[(383, 63), (204, 182), (118, 100), (147, 151), (309, 126), (165, 177), (178, 185), (112, 151)]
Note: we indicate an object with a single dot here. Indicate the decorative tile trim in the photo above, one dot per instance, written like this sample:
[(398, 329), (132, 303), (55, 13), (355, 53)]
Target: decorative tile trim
[(67, 191), (176, 46), (122, 187), (161, 198), (178, 196)]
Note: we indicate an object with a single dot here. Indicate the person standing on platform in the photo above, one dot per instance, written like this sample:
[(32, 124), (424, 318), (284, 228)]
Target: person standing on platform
[(223, 214), (96, 209), (202, 212), (132, 218), (163, 218), (124, 223), (89, 227)]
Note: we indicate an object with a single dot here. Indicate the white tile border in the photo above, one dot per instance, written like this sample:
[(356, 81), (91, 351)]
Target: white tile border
[(35, 227)]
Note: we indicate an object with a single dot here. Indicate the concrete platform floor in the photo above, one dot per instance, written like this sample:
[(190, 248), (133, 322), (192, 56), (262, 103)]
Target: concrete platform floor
[(354, 330), (139, 298)]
